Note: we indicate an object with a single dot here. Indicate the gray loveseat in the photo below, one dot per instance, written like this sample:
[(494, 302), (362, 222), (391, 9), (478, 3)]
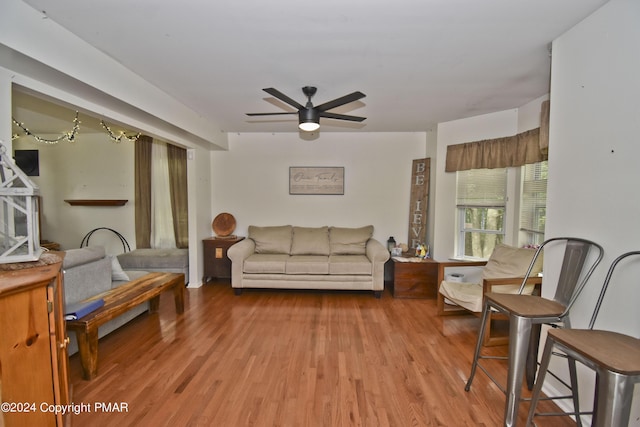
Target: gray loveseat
[(165, 260), (289, 257), (89, 272)]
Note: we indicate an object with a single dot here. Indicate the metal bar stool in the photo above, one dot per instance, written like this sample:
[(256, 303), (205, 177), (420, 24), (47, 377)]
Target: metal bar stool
[(613, 356), (528, 312)]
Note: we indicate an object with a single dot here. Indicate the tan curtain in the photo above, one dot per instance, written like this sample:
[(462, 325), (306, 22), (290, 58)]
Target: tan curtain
[(524, 148), (178, 188), (544, 127), (142, 171)]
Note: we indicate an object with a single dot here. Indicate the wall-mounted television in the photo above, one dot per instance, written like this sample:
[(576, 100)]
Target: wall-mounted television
[(28, 161)]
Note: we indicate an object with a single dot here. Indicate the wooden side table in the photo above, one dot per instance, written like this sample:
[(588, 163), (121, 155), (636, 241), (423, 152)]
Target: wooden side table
[(216, 263), (414, 279)]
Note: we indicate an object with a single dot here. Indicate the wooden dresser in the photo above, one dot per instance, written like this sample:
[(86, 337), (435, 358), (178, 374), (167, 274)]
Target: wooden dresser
[(33, 343)]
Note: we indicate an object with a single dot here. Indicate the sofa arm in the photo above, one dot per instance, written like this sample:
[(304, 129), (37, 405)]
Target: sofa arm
[(376, 252), (87, 280), (76, 257), (237, 253), (378, 255), (241, 250)]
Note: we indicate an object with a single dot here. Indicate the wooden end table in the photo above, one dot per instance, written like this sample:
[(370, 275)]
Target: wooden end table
[(216, 263), (414, 278)]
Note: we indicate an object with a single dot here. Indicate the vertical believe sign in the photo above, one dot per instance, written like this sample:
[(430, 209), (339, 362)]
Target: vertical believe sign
[(419, 201)]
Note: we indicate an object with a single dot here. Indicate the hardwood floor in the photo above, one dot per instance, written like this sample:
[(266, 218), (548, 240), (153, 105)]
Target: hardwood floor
[(292, 358)]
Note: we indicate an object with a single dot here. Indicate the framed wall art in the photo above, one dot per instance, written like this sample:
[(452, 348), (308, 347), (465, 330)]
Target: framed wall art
[(316, 180)]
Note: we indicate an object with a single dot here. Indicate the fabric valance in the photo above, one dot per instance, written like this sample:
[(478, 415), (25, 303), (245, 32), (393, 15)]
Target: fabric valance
[(517, 150)]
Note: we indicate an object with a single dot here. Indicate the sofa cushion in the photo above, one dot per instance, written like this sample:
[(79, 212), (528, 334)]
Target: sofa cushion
[(310, 241), (349, 264), (117, 273), (74, 257), (308, 264), (508, 261), (141, 259), (86, 280), (271, 240), (349, 241), (265, 263)]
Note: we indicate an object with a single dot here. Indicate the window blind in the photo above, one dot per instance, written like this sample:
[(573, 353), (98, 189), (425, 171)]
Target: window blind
[(533, 203), (481, 187)]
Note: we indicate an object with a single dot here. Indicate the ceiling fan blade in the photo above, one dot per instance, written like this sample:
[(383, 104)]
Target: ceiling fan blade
[(270, 114), (340, 101), (341, 116), (282, 97)]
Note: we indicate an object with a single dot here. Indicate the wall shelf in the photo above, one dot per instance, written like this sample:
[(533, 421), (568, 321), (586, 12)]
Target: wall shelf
[(96, 202)]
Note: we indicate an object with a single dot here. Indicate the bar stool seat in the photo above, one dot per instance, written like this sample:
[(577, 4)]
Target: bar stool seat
[(527, 305), (608, 350)]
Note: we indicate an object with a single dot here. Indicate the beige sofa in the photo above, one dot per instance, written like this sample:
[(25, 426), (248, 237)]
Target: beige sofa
[(289, 257)]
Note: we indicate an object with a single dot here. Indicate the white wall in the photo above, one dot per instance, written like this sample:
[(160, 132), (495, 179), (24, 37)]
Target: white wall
[(593, 157), (92, 167), (200, 193), (594, 147), (251, 180)]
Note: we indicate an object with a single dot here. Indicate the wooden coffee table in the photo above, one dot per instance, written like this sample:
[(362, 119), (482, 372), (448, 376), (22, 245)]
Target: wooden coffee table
[(116, 302)]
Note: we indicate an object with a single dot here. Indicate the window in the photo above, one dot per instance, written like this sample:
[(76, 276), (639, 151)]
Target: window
[(533, 204), (500, 206), (481, 206)]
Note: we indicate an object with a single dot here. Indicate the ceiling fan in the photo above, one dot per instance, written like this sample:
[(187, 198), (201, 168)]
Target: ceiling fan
[(308, 115)]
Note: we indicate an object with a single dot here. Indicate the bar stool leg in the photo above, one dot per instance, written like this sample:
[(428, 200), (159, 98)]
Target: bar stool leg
[(614, 393), (519, 333), (532, 356), (574, 389), (537, 388), (476, 355)]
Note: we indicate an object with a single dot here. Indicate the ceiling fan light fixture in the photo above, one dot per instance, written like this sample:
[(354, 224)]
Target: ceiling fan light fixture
[(309, 120), (309, 126)]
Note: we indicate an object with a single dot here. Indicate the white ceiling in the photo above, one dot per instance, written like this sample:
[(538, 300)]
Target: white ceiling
[(420, 62)]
